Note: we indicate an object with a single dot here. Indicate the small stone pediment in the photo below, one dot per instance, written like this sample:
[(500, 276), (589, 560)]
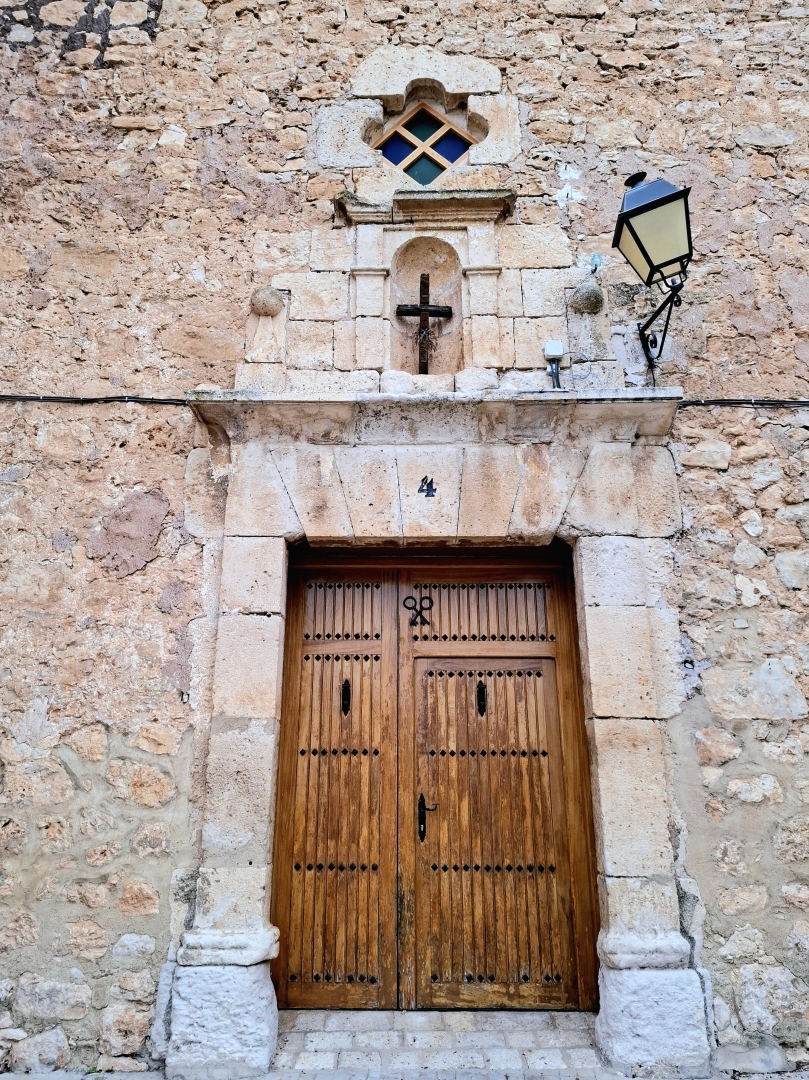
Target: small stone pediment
[(395, 71)]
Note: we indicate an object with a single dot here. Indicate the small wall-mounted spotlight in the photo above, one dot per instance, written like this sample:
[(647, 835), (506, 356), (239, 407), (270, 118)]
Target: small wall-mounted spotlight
[(653, 233), (554, 351)]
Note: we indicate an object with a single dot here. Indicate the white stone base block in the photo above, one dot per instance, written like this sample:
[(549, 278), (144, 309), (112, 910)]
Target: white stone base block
[(224, 1023), (652, 1023)]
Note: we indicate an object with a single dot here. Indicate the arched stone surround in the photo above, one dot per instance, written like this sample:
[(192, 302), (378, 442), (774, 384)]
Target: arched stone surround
[(508, 469)]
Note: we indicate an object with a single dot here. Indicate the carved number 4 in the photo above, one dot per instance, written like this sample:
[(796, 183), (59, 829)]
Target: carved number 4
[(427, 488)]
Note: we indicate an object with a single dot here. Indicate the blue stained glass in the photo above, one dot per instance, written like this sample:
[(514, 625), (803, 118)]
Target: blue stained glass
[(423, 125), (451, 146), (396, 149), (424, 170)]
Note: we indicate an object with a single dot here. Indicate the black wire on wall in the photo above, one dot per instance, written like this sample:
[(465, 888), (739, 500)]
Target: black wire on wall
[(60, 399)]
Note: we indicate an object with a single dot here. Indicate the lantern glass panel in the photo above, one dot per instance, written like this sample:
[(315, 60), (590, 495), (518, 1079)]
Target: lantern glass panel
[(633, 254), (663, 232)]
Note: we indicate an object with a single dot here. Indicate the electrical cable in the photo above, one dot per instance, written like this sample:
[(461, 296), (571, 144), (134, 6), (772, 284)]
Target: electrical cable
[(747, 403), (133, 399), (62, 399)]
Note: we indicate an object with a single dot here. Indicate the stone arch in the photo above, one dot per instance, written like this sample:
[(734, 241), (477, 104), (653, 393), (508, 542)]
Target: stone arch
[(439, 259)]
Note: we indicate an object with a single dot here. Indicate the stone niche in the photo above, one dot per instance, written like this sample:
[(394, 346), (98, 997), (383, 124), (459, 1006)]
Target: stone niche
[(427, 255)]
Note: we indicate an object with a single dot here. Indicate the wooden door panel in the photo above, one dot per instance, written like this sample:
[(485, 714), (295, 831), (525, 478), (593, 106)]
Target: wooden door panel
[(492, 875), (338, 907)]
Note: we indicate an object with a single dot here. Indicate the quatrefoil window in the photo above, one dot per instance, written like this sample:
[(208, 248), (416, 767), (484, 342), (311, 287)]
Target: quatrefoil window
[(424, 144)]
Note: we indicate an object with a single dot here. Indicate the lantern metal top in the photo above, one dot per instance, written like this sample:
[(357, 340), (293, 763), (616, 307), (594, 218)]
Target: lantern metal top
[(644, 199)]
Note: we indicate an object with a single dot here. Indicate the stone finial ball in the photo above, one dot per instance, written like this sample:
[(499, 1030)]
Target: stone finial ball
[(266, 301), (587, 298)]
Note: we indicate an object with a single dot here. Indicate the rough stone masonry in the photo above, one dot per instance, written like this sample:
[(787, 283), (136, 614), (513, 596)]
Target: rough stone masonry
[(161, 163)]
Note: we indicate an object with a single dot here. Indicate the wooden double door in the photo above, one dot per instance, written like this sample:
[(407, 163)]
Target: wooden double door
[(434, 841)]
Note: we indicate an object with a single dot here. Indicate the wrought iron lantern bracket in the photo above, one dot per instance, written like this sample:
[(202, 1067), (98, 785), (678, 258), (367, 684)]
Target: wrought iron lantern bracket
[(651, 340)]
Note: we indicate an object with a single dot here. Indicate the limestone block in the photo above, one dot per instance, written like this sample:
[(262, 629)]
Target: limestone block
[(340, 133), (371, 488), (767, 993), (369, 245), (41, 1053), (617, 662), (425, 517), (474, 380), (258, 503), (204, 497), (640, 924), (48, 1000), (128, 14), (159, 1035), (247, 675), (793, 569), (549, 475), (765, 692), (485, 334), (332, 249), (224, 1023), (629, 798), (325, 384), (604, 499), (231, 899), (396, 382), (653, 1021), (501, 114), (280, 251), (369, 292), (240, 793), (313, 482), (183, 13), (433, 384), (482, 244), (310, 345), (315, 296), (657, 495), (62, 12), (488, 489), (260, 378), (507, 345), (530, 336), (509, 294), (708, 454), (483, 297), (389, 72), (667, 660), (543, 292), (269, 339), (372, 344), (529, 247), (345, 344), (622, 571), (254, 576)]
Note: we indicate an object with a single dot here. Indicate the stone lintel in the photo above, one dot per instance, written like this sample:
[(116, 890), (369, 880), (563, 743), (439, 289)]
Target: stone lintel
[(430, 207), (551, 416)]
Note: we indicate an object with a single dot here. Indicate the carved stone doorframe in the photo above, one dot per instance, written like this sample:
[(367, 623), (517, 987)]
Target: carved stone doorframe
[(507, 469)]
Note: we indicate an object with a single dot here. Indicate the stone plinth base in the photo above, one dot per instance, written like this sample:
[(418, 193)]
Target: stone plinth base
[(224, 1023), (652, 1023)]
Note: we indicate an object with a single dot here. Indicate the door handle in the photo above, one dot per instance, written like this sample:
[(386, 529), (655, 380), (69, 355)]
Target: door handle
[(424, 810)]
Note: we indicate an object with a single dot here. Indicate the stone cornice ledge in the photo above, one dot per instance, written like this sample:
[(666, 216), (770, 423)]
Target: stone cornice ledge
[(447, 207), (203, 948), (441, 418)]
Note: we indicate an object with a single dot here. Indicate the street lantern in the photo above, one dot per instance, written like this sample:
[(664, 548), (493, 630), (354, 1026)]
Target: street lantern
[(653, 233)]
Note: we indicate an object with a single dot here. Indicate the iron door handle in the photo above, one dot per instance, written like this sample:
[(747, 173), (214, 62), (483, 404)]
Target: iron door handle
[(424, 810)]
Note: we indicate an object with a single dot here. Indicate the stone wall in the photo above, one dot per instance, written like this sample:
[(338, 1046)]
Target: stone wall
[(157, 166)]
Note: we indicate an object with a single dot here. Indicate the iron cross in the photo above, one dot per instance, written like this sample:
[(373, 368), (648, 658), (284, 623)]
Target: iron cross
[(425, 311)]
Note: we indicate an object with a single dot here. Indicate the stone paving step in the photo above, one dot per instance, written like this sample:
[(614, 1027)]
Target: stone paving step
[(452, 1045)]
